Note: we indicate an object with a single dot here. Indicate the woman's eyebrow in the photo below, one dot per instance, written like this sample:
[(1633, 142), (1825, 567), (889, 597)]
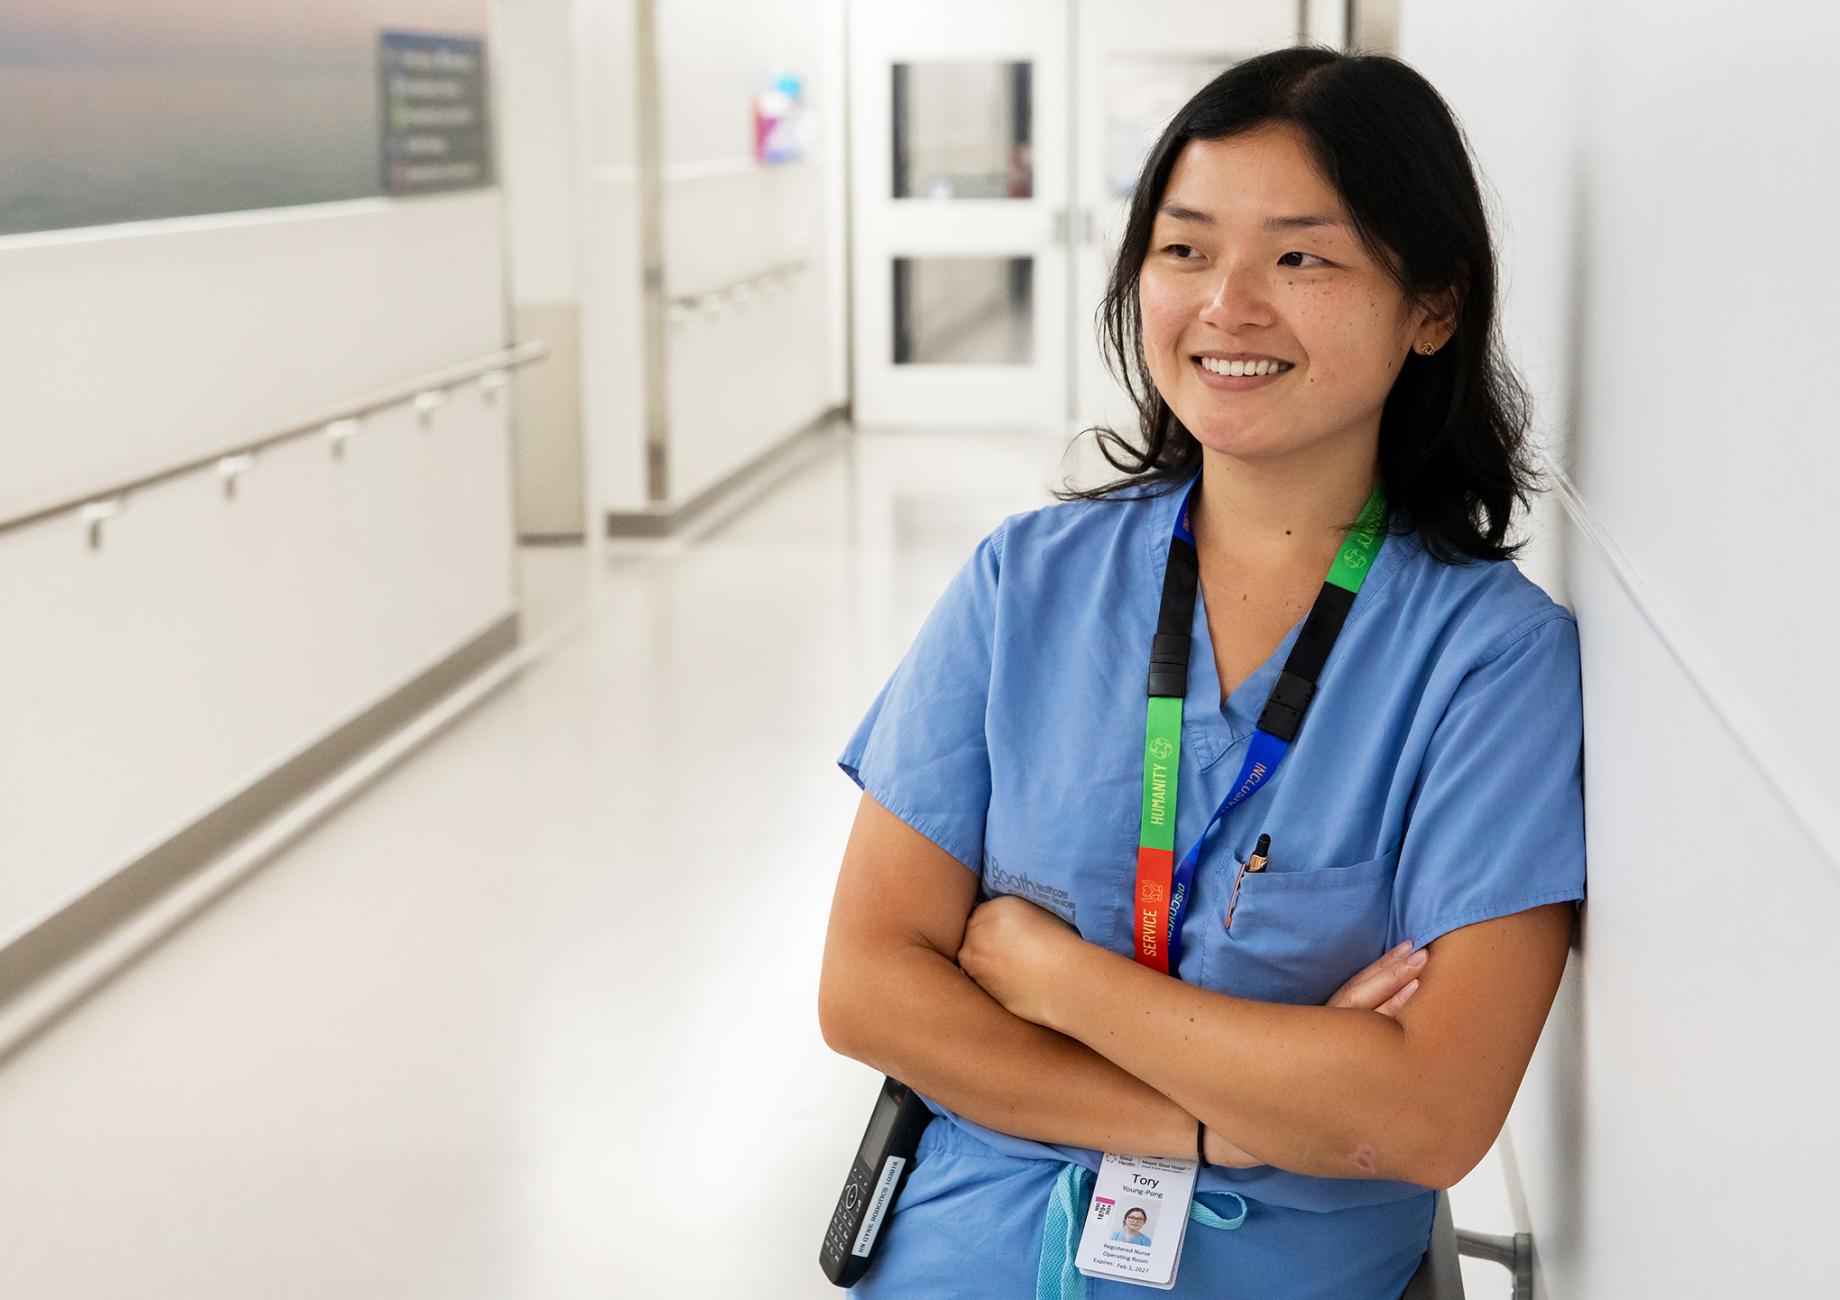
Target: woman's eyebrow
[(1306, 221), (1181, 213)]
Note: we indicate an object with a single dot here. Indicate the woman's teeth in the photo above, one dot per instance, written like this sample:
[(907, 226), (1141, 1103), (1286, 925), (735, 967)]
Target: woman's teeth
[(1220, 367)]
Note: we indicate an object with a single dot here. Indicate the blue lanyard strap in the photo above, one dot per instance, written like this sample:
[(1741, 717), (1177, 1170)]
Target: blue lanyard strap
[(1279, 722), (1262, 759)]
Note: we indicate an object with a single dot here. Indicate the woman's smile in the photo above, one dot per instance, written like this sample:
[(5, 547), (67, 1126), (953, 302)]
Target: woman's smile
[(1252, 256), (1209, 371)]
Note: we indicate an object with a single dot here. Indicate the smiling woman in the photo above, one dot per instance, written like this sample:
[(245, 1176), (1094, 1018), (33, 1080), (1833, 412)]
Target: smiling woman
[(1320, 212), (1292, 744), (1220, 271)]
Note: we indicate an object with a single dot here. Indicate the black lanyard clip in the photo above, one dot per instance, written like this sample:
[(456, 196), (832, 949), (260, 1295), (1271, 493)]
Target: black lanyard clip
[(1169, 664), (1284, 710)]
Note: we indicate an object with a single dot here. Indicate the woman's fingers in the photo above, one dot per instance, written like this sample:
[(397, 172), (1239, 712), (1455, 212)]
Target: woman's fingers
[(1370, 988), (1391, 1006), (1373, 984)]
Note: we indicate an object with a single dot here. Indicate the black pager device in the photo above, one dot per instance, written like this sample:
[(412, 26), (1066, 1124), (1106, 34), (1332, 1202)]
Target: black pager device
[(876, 1176)]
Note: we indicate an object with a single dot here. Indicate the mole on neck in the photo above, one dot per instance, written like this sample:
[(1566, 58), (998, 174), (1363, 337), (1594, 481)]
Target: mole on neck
[(1276, 517)]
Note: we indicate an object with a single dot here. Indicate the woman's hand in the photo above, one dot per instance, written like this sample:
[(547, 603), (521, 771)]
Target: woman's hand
[(1014, 950), (1385, 986)]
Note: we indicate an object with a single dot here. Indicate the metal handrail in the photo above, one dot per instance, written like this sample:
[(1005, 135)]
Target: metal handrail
[(711, 297), (99, 503), (1513, 1253)]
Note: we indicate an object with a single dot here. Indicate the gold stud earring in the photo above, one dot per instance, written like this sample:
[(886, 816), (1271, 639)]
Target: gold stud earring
[(1428, 349)]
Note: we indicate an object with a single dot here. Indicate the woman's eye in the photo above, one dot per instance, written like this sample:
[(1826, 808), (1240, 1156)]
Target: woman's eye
[(1302, 254), (1179, 251)]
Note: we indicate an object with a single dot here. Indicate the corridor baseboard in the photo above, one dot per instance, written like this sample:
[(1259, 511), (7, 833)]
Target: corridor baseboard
[(671, 520), (48, 969)]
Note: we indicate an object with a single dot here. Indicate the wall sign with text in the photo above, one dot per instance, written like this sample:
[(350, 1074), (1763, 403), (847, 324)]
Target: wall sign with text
[(436, 128)]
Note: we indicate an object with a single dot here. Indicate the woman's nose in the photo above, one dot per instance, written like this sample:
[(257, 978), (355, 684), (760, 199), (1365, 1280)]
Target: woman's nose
[(1240, 294)]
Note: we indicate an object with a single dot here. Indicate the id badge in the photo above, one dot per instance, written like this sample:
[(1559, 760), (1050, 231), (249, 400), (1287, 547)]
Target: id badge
[(1138, 1220)]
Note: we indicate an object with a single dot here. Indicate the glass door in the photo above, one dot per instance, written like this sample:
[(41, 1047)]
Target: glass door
[(959, 194), (1137, 64)]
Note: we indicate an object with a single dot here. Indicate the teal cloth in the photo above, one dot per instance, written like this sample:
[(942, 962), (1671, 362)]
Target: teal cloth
[(1198, 1211), (1057, 1277)]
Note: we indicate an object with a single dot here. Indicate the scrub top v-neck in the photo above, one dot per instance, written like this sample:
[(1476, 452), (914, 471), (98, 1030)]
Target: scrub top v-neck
[(1234, 720), (1436, 783)]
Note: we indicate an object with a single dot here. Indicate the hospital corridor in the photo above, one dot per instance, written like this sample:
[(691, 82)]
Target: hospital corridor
[(581, 676), (503, 963)]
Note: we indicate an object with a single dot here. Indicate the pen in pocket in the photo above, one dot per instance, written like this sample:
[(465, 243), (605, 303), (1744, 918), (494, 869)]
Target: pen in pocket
[(1256, 862)]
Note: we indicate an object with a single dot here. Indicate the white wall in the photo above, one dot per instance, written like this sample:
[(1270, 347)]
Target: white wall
[(129, 348), (540, 168), (832, 122), (539, 163), (1658, 174), (743, 378), (742, 375), (209, 639), (613, 371)]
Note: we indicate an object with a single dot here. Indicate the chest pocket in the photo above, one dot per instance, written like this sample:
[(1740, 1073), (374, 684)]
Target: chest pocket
[(1298, 935)]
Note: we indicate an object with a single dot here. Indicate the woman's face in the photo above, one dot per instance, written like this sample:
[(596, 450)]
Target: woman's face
[(1134, 1221), (1219, 279)]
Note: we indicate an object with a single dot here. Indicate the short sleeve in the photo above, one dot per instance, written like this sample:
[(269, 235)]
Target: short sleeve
[(920, 751), (1496, 823)]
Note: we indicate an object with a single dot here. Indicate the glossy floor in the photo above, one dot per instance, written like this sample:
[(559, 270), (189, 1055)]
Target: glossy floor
[(534, 1018)]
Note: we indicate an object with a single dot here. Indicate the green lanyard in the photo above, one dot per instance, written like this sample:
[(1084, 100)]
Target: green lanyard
[(1163, 886)]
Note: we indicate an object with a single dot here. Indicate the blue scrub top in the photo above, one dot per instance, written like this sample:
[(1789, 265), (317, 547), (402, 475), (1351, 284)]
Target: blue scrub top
[(1436, 782)]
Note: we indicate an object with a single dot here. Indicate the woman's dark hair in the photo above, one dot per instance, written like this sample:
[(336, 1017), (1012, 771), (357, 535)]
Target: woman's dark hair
[(1453, 458)]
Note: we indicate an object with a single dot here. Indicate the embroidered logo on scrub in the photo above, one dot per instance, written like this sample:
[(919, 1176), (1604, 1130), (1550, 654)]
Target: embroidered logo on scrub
[(998, 881)]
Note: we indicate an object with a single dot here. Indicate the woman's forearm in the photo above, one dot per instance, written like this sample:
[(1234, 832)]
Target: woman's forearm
[(1334, 1090), (1316, 1090), (912, 1013)]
